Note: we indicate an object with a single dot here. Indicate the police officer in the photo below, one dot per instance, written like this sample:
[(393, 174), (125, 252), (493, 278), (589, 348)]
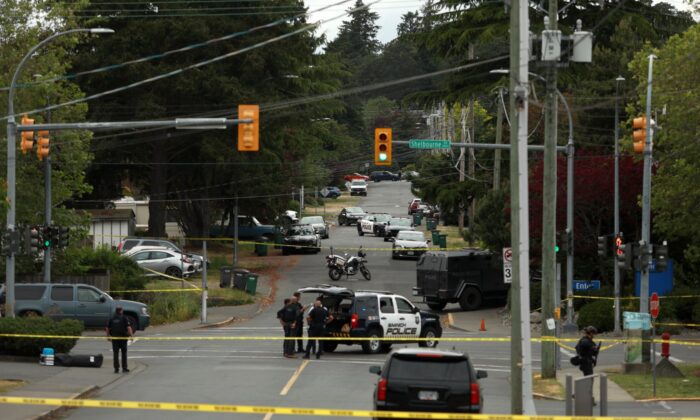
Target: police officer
[(318, 318), (587, 351), (119, 326), (299, 329), (288, 316)]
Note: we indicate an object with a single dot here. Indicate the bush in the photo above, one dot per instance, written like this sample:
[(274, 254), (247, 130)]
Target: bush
[(599, 314), (167, 308), (38, 326)]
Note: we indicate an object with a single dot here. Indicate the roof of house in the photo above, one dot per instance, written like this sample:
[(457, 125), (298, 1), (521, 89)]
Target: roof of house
[(111, 214)]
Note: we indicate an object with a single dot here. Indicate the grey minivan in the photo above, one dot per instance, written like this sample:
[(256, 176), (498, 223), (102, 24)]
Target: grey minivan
[(74, 301)]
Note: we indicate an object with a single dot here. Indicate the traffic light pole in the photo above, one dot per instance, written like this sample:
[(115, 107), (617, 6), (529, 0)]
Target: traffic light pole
[(646, 198), (616, 269), (47, 207)]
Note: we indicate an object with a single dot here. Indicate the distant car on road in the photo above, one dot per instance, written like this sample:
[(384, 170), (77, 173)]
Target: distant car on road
[(355, 176), (74, 301), (409, 175), (302, 238), (333, 192), (429, 381), (350, 215), (394, 226), (413, 205), (320, 226), (357, 187), (409, 244), (383, 176), (163, 261), (371, 223)]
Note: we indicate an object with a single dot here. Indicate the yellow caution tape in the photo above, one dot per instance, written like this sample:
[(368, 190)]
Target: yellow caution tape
[(677, 324), (291, 411), (169, 277)]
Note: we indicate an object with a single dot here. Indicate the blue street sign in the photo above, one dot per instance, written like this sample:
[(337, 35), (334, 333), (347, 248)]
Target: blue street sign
[(584, 285)]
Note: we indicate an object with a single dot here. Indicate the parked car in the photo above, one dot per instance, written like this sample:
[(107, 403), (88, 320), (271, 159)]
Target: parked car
[(163, 261), (74, 301), (409, 244), (358, 187), (394, 226), (371, 223), (333, 192), (467, 277), (350, 215), (129, 244), (355, 176), (413, 205), (320, 226), (427, 380), (248, 228), (302, 238), (409, 175), (375, 314), (383, 176)]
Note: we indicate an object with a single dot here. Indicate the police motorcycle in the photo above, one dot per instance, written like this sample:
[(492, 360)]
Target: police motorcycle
[(347, 265)]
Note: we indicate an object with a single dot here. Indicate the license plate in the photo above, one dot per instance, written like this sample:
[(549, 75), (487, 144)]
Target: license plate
[(410, 252), (415, 293), (428, 395)]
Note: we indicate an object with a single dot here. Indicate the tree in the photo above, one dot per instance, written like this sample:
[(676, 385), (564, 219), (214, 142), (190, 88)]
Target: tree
[(357, 37)]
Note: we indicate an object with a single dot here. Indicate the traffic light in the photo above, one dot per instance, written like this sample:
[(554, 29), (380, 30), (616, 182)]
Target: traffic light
[(623, 255), (639, 135), (27, 136), (47, 237), (618, 242), (563, 244), (32, 240), (382, 146), (661, 252), (249, 133), (647, 251), (6, 242), (62, 239), (42, 145), (602, 246)]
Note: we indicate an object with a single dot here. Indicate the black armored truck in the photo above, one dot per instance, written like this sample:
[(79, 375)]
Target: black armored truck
[(466, 277)]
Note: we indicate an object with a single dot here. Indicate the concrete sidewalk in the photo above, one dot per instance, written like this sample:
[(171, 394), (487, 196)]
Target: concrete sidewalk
[(471, 321), (615, 393)]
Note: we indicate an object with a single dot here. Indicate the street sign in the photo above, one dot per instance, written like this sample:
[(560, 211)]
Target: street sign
[(428, 144), (584, 285), (654, 305), (324, 192), (507, 265)]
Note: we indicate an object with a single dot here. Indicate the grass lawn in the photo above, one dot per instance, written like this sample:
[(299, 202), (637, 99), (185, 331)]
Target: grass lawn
[(9, 385), (640, 387), (548, 387), (454, 239)]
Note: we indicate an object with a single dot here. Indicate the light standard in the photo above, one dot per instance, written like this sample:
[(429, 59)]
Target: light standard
[(617, 204), (569, 325), (12, 160)]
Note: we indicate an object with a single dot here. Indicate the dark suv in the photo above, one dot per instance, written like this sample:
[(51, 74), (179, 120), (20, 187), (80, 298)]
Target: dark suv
[(383, 176), (428, 381), (374, 314)]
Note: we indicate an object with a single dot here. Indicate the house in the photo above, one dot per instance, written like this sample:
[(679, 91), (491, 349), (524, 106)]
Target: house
[(140, 209), (109, 226)]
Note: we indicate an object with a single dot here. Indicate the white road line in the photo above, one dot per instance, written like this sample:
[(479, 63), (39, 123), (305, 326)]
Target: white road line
[(671, 358), (294, 378), (665, 405), (567, 352), (132, 341)]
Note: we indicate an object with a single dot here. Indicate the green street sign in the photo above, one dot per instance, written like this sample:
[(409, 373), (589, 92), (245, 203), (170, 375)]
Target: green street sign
[(428, 144)]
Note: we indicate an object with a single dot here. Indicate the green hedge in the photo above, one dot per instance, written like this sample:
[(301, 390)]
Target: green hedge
[(37, 326), (599, 314)]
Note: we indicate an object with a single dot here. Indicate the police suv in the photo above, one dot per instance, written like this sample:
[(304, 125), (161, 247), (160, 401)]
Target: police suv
[(374, 314), (372, 222)]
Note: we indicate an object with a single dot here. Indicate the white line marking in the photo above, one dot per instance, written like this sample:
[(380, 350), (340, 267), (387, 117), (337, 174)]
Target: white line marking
[(567, 352), (294, 378), (673, 359)]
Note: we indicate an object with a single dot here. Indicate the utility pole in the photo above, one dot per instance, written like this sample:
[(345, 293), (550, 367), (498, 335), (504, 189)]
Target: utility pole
[(47, 204), (235, 233), (205, 286), (616, 269), (646, 197), (549, 205), (499, 136), (521, 360), (472, 157), (462, 157), (301, 201)]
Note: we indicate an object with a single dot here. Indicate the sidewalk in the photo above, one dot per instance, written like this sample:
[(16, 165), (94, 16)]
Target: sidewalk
[(615, 393), (470, 321), (72, 383)]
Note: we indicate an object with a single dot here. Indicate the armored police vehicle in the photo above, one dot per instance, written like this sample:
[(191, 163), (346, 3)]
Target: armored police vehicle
[(374, 314), (468, 277)]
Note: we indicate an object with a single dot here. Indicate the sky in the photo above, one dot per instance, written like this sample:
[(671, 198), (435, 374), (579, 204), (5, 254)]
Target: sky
[(390, 12)]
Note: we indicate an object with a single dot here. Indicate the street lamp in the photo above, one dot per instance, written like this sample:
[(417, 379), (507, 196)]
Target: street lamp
[(569, 325), (12, 159)]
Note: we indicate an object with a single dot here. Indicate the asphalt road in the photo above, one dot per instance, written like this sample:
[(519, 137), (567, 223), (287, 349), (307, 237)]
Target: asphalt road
[(253, 372)]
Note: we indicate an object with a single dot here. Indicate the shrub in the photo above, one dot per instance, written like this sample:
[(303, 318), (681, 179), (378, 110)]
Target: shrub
[(167, 308), (38, 326), (599, 314)]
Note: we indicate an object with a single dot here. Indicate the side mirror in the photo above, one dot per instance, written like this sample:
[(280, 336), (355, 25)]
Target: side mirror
[(392, 239), (375, 369), (428, 241), (103, 299), (415, 310), (480, 374)]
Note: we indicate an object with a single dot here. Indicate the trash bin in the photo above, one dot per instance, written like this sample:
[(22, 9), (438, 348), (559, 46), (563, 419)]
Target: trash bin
[(239, 278), (430, 223), (251, 283), (261, 247), (436, 237), (225, 277), (279, 239), (417, 218), (443, 240)]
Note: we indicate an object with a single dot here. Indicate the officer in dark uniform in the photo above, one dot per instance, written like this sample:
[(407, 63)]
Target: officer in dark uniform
[(587, 351), (119, 326), (318, 318), (288, 317), (299, 329)]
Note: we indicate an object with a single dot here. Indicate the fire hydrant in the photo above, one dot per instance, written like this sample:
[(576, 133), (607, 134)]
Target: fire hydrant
[(665, 345)]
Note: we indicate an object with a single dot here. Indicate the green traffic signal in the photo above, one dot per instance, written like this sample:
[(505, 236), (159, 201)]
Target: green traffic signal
[(382, 157), (556, 248), (47, 244)]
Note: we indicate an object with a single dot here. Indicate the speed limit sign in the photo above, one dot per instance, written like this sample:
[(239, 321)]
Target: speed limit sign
[(507, 265)]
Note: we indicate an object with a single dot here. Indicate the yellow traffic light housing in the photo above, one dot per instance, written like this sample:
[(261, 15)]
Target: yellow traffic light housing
[(249, 133), (42, 145), (27, 141), (382, 146), (639, 135)]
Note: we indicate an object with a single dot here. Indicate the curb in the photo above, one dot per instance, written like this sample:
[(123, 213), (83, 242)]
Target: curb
[(670, 399), (225, 322), (546, 397), (19, 359), (451, 324)]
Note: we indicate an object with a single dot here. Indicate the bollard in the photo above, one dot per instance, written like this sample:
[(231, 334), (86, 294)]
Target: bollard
[(665, 345)]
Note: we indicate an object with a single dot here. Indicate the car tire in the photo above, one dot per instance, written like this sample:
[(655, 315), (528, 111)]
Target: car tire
[(134, 322), (386, 348), (429, 332), (373, 346), (470, 299), (285, 250), (335, 273), (174, 272), (437, 306), (30, 314), (393, 255), (359, 231), (329, 346)]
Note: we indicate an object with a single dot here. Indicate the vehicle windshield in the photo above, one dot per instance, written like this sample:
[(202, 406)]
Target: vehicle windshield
[(407, 235), (358, 183), (400, 222), (311, 220), (382, 217), (354, 210), (302, 230)]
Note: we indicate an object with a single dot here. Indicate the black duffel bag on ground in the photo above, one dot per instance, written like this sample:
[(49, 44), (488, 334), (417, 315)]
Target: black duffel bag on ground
[(79, 360)]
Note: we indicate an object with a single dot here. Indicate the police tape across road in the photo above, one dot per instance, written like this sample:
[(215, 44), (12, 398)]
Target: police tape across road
[(290, 411), (341, 338)]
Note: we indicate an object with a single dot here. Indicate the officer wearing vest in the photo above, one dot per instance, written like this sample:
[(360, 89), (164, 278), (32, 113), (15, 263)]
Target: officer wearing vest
[(317, 319), (587, 350), (288, 317), (119, 326)]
